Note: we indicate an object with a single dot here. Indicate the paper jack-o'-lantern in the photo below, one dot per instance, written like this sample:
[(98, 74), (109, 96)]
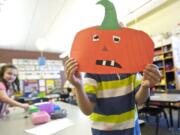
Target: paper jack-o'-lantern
[(109, 48)]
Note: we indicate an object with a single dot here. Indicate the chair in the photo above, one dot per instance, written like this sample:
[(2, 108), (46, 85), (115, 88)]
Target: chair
[(176, 106), (38, 100), (154, 111)]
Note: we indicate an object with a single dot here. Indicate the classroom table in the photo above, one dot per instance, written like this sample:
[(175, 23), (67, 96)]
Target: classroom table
[(33, 99), (166, 98), (15, 123), (52, 96)]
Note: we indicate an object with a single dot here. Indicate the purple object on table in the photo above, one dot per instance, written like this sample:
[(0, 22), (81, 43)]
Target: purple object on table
[(47, 107)]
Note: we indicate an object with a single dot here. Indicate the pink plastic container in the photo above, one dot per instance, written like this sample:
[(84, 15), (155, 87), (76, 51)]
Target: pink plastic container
[(40, 117)]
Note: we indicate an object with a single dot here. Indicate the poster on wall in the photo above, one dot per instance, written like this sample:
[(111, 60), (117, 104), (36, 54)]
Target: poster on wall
[(42, 83), (42, 89), (176, 51), (30, 87), (58, 84), (49, 85), (176, 55)]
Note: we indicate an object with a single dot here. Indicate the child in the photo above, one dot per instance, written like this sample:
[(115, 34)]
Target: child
[(111, 100), (8, 82)]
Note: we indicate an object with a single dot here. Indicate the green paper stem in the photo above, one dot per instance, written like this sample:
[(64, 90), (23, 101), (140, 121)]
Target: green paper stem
[(110, 21)]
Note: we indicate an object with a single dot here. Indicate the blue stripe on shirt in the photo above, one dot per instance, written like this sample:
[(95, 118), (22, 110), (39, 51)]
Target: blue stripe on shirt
[(116, 132), (115, 105)]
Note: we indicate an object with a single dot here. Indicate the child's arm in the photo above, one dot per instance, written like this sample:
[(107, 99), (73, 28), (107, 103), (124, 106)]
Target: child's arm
[(4, 98), (74, 77), (142, 95), (151, 76)]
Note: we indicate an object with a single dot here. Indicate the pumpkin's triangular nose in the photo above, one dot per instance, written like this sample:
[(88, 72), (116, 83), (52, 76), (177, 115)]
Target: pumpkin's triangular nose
[(104, 49)]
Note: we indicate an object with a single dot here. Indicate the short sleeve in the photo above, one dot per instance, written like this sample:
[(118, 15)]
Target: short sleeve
[(2, 86), (90, 86), (137, 82)]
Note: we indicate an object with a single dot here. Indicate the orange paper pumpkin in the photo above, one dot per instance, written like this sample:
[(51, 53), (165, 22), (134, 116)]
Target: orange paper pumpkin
[(109, 49)]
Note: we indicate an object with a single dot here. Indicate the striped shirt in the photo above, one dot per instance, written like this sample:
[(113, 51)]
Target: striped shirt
[(115, 110)]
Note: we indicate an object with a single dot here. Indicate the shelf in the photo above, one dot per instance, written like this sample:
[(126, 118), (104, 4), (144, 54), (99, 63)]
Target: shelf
[(160, 85), (158, 54), (168, 71), (168, 58), (160, 67), (160, 90), (168, 52), (167, 44), (161, 53), (164, 43), (163, 57), (159, 47), (158, 60)]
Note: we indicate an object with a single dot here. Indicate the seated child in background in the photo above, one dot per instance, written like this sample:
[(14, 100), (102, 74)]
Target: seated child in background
[(8, 82)]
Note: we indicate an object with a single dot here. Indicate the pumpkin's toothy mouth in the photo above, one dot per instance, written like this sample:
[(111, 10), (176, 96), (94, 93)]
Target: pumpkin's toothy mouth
[(110, 63)]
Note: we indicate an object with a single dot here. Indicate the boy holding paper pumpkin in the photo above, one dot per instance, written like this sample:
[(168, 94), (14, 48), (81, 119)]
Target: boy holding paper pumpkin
[(110, 89)]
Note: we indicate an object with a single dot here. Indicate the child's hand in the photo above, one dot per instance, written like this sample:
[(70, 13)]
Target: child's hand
[(25, 106), (72, 74), (7, 111), (151, 75)]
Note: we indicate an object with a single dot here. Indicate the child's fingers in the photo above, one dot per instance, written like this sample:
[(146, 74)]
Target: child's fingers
[(153, 70), (67, 61), (69, 64), (152, 66), (151, 75), (69, 70), (72, 67), (154, 77), (72, 72), (151, 80)]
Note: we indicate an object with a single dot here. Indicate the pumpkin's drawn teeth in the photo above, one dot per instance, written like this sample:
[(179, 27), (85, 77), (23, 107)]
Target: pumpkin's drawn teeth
[(104, 62), (110, 63)]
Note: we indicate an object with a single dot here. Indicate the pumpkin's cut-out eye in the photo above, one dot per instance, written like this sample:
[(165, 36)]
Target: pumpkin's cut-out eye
[(95, 38), (116, 39)]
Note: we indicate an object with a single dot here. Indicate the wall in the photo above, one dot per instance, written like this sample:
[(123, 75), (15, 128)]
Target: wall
[(160, 20), (6, 56)]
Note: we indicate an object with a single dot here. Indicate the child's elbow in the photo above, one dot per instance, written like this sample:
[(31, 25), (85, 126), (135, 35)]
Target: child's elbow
[(87, 113), (139, 103)]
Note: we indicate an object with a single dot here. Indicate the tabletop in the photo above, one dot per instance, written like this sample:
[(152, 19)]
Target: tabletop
[(15, 123), (165, 97)]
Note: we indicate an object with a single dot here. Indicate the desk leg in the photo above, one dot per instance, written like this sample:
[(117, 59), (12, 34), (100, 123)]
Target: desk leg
[(171, 116)]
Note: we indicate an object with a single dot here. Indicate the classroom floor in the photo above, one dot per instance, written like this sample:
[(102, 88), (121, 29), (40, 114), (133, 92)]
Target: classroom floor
[(150, 127)]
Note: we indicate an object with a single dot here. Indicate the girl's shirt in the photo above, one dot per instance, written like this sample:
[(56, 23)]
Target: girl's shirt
[(3, 106)]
